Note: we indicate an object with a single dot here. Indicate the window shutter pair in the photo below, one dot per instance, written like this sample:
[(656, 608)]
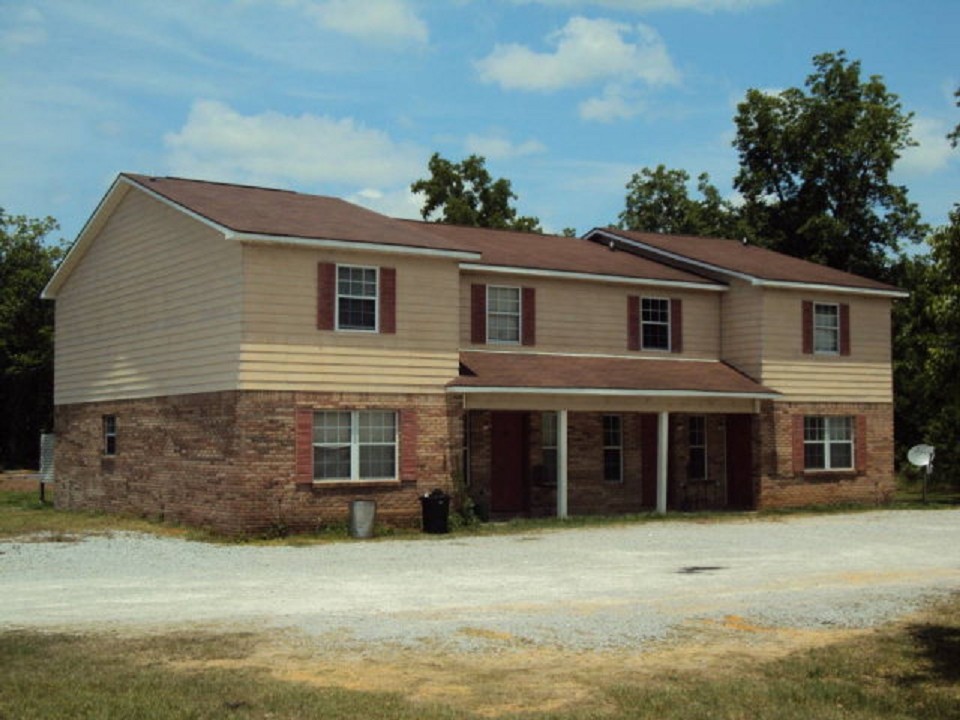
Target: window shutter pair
[(327, 298), (807, 328), (633, 324), (859, 444), (478, 315), (303, 444)]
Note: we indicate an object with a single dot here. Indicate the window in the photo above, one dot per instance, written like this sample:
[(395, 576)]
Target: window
[(655, 324), (355, 445), (612, 448), (503, 314), (548, 443), (828, 443), (356, 298), (697, 442), (109, 434), (826, 328)]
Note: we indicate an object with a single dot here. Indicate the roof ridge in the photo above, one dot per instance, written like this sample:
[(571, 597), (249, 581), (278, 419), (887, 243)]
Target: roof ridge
[(223, 183)]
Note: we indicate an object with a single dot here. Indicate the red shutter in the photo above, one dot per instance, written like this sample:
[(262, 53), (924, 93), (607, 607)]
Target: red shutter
[(844, 329), (326, 295), (478, 314), (676, 325), (633, 322), (528, 306), (798, 462), (303, 434), (408, 445), (388, 300), (807, 327), (860, 443)]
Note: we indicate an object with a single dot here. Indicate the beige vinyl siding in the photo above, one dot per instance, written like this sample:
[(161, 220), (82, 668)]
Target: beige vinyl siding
[(581, 316), (152, 308), (742, 332), (865, 375), (283, 349)]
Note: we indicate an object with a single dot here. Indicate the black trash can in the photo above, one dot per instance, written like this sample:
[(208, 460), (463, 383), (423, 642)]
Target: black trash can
[(436, 512)]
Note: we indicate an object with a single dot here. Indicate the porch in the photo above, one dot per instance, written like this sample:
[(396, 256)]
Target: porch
[(560, 435)]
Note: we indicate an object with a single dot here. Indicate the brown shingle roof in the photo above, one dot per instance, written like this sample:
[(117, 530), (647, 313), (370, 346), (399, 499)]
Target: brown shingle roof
[(564, 372), (749, 260)]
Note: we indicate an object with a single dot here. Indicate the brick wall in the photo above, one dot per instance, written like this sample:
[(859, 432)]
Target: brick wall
[(784, 484), (227, 460)]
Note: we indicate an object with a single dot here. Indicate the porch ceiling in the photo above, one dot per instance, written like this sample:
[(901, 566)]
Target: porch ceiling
[(532, 373)]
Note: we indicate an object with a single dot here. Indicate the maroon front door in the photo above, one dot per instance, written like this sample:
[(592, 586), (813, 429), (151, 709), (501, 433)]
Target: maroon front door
[(648, 460), (740, 492), (508, 487)]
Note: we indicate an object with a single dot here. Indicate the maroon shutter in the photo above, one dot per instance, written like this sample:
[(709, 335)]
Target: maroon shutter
[(478, 314), (326, 295), (528, 323), (388, 300), (807, 327), (798, 461), (844, 329), (408, 445), (633, 322), (860, 443), (303, 434), (676, 325)]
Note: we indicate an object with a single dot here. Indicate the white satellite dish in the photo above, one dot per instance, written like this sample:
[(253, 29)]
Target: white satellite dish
[(921, 455)]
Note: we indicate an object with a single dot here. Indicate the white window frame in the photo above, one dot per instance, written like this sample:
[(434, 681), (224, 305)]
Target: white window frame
[(831, 436), (608, 448), (376, 299), (491, 313), (355, 446), (691, 445), (548, 444), (667, 324), (834, 329)]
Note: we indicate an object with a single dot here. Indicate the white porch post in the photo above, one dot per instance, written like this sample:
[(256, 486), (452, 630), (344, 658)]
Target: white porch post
[(562, 464), (662, 455)]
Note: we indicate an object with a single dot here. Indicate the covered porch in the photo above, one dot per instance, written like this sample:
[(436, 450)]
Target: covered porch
[(574, 435)]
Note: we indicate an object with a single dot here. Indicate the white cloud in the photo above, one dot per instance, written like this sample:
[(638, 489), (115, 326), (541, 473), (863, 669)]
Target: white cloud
[(933, 151), (26, 27), (495, 147), (375, 20), (587, 51), (217, 142), (399, 203), (651, 5), (612, 105)]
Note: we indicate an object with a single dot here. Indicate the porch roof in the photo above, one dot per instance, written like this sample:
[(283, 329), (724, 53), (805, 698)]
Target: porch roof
[(533, 373)]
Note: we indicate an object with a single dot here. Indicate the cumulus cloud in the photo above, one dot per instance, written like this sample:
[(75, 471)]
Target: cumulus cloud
[(613, 104), (217, 142), (400, 203), (376, 20), (933, 151), (586, 51), (495, 147)]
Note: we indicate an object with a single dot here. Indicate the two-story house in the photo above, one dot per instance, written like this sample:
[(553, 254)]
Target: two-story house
[(240, 357)]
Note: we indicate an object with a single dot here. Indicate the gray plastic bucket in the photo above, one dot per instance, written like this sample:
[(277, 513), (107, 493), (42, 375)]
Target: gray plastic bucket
[(363, 516)]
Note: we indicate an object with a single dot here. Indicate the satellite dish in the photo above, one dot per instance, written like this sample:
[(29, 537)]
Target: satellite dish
[(921, 455)]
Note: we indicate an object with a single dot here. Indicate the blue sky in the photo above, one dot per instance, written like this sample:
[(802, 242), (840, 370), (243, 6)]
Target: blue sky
[(566, 98)]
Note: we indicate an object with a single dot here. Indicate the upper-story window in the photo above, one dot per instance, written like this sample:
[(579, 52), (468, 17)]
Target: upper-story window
[(503, 314), (826, 328), (356, 298), (655, 323)]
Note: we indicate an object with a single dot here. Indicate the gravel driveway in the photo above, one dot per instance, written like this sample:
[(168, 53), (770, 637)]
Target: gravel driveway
[(582, 588)]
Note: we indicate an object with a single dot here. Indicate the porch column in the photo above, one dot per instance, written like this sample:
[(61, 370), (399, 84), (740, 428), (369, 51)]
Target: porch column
[(562, 464), (662, 456)]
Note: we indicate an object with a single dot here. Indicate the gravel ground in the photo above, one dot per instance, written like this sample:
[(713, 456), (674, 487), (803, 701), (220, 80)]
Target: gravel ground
[(609, 587)]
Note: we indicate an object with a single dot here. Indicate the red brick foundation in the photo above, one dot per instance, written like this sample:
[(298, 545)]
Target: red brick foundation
[(227, 461)]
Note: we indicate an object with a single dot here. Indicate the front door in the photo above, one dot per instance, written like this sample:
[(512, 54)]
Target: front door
[(508, 487), (740, 491)]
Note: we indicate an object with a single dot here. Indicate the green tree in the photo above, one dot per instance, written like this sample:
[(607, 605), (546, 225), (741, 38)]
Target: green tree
[(815, 167), (658, 201), (26, 336), (954, 135), (464, 193)]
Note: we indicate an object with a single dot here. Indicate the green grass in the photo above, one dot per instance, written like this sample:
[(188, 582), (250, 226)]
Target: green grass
[(903, 671)]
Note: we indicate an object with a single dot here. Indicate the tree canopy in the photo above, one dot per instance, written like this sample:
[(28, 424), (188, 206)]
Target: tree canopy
[(464, 193), (815, 169), (26, 336)]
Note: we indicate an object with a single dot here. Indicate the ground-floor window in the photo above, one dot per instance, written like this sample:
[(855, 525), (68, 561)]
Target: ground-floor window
[(548, 444), (827, 443), (697, 444), (612, 448), (355, 445), (109, 434)]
